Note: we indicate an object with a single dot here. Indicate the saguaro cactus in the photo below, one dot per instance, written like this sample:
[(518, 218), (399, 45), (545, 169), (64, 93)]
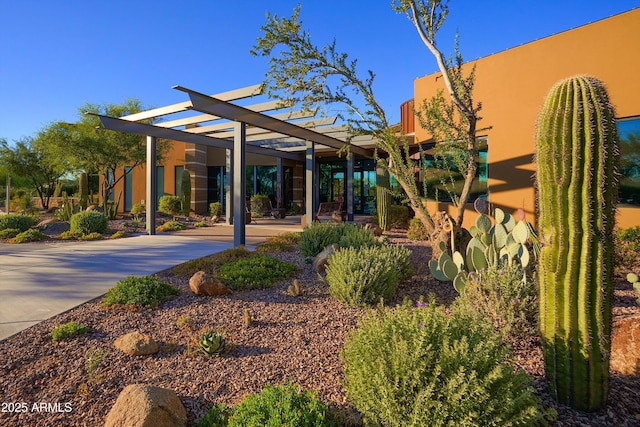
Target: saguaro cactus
[(577, 180), (185, 184), (383, 197), (83, 189)]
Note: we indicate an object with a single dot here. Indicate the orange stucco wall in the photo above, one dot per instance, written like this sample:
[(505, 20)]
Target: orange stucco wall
[(512, 86)]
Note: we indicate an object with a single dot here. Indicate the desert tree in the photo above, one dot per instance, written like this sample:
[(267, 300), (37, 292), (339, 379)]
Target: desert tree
[(23, 159), (90, 148), (304, 74)]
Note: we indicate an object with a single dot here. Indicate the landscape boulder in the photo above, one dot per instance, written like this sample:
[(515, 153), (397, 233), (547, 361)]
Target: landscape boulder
[(52, 227), (143, 405), (136, 344), (320, 261), (625, 345), (203, 283)]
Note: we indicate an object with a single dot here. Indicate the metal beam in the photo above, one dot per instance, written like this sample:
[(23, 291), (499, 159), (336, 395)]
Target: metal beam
[(239, 187), (177, 135), (309, 193), (218, 107), (258, 134), (152, 186), (349, 182), (231, 95)]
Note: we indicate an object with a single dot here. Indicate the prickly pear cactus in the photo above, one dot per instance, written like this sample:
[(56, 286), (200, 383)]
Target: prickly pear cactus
[(498, 241), (577, 181)]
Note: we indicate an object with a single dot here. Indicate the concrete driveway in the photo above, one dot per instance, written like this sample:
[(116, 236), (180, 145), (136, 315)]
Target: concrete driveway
[(38, 281)]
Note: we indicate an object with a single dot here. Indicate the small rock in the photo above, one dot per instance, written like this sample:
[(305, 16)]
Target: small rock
[(93, 208), (203, 283), (136, 344), (320, 261), (625, 345), (142, 405)]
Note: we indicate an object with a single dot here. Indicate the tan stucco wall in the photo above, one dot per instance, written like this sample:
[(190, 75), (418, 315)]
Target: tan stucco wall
[(512, 86)]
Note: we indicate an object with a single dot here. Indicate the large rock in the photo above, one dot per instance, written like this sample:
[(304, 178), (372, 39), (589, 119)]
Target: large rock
[(203, 283), (320, 261), (136, 344), (625, 345), (142, 405), (51, 227)]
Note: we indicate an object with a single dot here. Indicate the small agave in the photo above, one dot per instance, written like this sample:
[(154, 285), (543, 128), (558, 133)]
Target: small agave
[(212, 343)]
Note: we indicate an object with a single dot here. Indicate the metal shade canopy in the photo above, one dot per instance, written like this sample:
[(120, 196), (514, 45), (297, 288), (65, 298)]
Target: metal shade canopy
[(240, 130)]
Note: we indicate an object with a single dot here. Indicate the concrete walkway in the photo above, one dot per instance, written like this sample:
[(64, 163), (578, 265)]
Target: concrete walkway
[(40, 280)]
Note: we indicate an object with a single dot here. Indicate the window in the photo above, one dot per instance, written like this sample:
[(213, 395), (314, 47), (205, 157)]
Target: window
[(443, 177), (128, 189), (178, 179), (160, 182), (629, 134)]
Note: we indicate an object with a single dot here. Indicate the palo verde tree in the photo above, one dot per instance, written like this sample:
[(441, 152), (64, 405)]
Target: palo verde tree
[(306, 75), (93, 149), (26, 161)]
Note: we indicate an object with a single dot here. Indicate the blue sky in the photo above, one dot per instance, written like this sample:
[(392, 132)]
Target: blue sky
[(57, 55)]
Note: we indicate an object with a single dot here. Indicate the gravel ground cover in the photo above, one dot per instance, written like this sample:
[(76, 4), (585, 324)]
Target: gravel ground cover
[(291, 338)]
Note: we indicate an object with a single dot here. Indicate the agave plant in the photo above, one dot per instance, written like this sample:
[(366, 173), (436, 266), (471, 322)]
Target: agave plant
[(211, 343)]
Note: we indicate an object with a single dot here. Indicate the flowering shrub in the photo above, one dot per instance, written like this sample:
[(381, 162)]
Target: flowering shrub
[(416, 366), (500, 295), (363, 276)]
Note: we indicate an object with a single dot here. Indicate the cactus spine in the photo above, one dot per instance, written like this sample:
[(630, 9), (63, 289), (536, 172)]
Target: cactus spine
[(185, 185), (577, 180), (383, 197)]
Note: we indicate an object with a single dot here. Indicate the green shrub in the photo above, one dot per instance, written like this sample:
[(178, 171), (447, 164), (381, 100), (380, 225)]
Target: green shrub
[(70, 235), (283, 405), (216, 417), (210, 264), (283, 242), (68, 330), (87, 222), (357, 237), (31, 235), (417, 230), (119, 234), (255, 272), (171, 226), (363, 276), (91, 236), (9, 233), (421, 366), (499, 295), (170, 205), (145, 291), (17, 221), (627, 246), (200, 224), (215, 209), (317, 236), (138, 209)]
